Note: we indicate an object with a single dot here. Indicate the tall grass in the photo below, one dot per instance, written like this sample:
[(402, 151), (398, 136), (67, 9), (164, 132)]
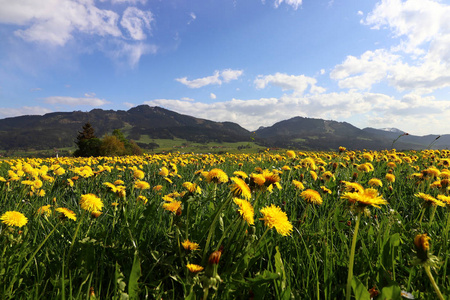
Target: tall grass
[(133, 249)]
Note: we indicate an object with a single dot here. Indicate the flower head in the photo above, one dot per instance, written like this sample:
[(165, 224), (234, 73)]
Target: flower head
[(139, 174), (429, 200), (14, 218), (246, 210), (188, 245), (298, 184), (66, 213), (216, 176), (141, 185), (240, 188), (193, 268), (365, 198), (45, 210), (273, 216), (91, 202), (311, 196), (375, 182)]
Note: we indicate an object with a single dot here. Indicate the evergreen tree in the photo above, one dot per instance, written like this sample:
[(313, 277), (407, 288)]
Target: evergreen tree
[(88, 144)]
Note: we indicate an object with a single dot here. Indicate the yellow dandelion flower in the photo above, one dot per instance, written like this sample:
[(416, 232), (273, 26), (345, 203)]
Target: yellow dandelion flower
[(290, 154), (390, 177), (14, 218), (45, 210), (66, 213), (298, 184), (365, 198), (273, 216), (429, 200), (246, 210), (311, 196), (445, 199), (139, 174), (91, 202), (327, 176), (240, 174), (59, 171), (216, 176), (258, 179), (240, 188), (353, 187), (141, 185), (164, 172), (193, 268), (174, 206), (313, 175), (192, 187), (325, 189), (119, 182), (375, 182), (188, 245)]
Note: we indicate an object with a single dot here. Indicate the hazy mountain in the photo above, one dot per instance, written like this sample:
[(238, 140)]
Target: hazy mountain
[(60, 129), (144, 123)]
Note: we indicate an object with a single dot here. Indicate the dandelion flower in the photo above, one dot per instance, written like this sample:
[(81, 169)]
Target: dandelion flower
[(14, 218), (193, 268), (192, 187), (142, 198), (375, 182), (174, 206), (66, 213), (430, 200), (216, 176), (139, 174), (273, 216), (91, 202), (445, 199), (390, 177), (368, 197), (45, 210), (240, 174), (298, 184), (246, 210), (311, 196), (290, 154), (141, 185), (188, 245), (240, 188)]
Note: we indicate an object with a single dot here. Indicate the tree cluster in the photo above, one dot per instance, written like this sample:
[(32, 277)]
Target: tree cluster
[(110, 145)]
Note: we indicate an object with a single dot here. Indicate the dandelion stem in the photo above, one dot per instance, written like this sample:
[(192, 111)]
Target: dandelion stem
[(433, 283), (75, 237), (351, 261), (432, 215)]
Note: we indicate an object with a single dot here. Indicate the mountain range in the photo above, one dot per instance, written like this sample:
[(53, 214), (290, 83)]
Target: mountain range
[(143, 123)]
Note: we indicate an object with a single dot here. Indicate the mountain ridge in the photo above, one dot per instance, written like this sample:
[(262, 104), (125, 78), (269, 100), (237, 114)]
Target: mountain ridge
[(59, 129)]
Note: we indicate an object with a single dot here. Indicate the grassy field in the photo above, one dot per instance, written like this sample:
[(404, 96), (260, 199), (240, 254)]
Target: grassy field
[(292, 225)]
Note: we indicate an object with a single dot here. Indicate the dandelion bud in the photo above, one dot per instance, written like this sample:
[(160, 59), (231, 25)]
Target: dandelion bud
[(421, 241), (355, 176), (214, 258)]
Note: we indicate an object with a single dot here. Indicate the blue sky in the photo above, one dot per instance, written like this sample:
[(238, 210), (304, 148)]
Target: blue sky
[(370, 63)]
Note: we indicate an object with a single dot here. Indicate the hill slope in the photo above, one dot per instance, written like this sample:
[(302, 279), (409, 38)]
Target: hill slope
[(59, 129)]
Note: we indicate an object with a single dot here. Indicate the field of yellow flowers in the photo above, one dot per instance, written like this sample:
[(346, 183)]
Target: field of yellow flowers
[(291, 225)]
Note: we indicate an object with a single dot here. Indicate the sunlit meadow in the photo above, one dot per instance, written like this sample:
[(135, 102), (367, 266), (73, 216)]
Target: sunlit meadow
[(291, 225)]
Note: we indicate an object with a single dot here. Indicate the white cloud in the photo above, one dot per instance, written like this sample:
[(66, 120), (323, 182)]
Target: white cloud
[(420, 62), (73, 101), (90, 95), (127, 1), (229, 74), (7, 112), (217, 78), (299, 83), (212, 96), (368, 109), (200, 82), (53, 22), (294, 3), (135, 21), (193, 17), (132, 52), (128, 104), (186, 99)]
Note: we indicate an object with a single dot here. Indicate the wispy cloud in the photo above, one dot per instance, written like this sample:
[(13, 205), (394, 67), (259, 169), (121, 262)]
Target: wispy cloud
[(217, 78), (7, 112), (298, 83), (73, 101)]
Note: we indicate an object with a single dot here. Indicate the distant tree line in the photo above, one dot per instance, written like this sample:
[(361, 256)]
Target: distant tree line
[(110, 145)]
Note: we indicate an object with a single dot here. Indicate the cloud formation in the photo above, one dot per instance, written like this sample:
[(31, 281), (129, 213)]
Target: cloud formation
[(298, 84), (7, 112), (217, 78), (73, 101)]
